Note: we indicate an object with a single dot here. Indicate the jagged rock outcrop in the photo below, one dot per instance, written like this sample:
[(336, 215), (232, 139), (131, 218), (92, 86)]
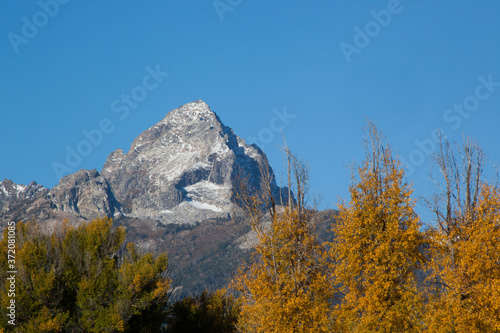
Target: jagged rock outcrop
[(84, 193), (184, 169), (11, 193)]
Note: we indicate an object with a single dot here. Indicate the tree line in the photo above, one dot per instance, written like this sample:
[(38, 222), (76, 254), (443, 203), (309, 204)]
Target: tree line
[(385, 270)]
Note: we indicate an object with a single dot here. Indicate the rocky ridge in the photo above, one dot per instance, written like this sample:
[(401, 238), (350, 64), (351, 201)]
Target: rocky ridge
[(173, 190), (11, 193), (184, 169)]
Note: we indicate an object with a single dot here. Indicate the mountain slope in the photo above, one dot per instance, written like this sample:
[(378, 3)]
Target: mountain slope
[(174, 191)]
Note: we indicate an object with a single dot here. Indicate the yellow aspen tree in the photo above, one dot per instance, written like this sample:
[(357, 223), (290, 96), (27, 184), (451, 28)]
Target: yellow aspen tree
[(479, 258), (465, 280), (378, 246), (286, 288)]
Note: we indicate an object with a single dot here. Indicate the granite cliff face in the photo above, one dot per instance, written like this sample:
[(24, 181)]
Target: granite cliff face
[(12, 193), (182, 170), (84, 193)]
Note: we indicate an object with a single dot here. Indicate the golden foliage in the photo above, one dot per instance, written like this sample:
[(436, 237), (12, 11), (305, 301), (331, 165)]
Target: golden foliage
[(466, 268), (365, 280), (287, 288), (377, 248)]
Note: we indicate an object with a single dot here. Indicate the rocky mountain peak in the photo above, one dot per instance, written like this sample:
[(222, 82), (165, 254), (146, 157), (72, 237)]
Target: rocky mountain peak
[(114, 162), (10, 191), (194, 119), (192, 112), (183, 169)]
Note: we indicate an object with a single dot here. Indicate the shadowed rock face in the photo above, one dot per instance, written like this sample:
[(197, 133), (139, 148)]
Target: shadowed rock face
[(84, 193)]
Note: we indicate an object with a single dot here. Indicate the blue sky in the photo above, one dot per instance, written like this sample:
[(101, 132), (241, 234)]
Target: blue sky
[(406, 65)]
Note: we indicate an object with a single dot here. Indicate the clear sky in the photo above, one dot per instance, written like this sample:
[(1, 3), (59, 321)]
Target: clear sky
[(315, 69)]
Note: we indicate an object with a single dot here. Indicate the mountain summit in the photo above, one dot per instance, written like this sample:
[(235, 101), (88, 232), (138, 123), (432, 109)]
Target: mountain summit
[(184, 169)]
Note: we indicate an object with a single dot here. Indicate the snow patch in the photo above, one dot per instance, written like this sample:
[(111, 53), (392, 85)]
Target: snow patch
[(19, 188), (220, 148), (250, 151), (4, 190), (208, 192), (203, 205), (200, 165), (205, 185)]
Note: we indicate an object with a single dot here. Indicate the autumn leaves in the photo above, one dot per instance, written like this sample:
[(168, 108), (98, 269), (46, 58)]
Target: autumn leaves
[(378, 248), (383, 272)]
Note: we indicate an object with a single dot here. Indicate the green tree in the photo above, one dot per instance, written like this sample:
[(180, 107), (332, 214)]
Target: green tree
[(207, 313), (74, 281)]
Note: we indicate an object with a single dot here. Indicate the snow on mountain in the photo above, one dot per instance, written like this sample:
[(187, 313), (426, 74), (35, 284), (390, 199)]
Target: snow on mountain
[(183, 167), (11, 193), (9, 189), (4, 190)]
